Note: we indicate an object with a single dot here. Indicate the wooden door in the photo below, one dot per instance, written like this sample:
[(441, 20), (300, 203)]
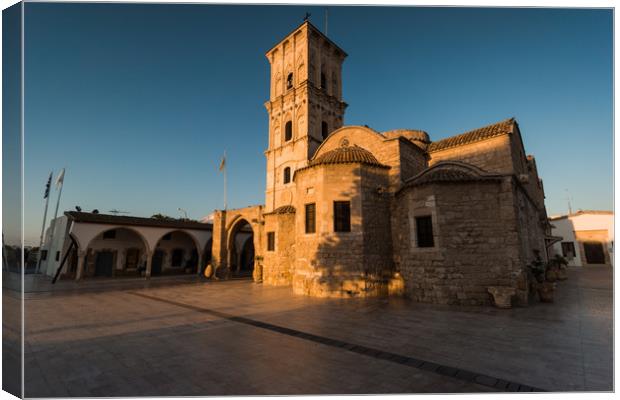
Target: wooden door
[(158, 260), (104, 263), (594, 252), (131, 261)]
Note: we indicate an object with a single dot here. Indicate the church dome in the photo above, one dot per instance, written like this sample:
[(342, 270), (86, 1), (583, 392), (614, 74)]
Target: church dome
[(346, 155)]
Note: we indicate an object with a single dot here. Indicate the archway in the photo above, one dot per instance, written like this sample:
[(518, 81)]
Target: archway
[(176, 253), (115, 252), (241, 249)]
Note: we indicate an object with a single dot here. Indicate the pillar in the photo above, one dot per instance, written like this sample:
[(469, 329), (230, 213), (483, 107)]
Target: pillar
[(219, 251), (80, 265), (201, 263), (149, 263)]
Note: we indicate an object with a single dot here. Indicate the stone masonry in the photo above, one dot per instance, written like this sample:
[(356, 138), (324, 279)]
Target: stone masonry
[(353, 212)]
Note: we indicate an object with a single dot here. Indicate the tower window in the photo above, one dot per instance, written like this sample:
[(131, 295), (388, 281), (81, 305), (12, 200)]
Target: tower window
[(424, 231), (342, 216), (271, 241), (324, 130), (287, 175), (288, 131), (289, 81), (310, 218), (323, 81)]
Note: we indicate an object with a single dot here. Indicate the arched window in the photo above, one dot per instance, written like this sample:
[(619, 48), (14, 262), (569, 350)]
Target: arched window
[(287, 175), (324, 130), (289, 81), (288, 131), (323, 81)]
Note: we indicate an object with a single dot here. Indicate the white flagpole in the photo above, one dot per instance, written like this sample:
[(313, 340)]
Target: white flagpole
[(47, 202), (225, 188), (59, 181)]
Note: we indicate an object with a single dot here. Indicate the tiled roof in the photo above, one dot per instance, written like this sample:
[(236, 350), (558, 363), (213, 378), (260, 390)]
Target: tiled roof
[(451, 171), (449, 175), (283, 210), (346, 155), (135, 221), (486, 132)]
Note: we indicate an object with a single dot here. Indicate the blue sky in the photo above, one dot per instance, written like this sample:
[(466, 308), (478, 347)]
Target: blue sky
[(139, 101)]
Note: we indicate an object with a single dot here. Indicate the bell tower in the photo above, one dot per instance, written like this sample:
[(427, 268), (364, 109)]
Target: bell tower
[(305, 105)]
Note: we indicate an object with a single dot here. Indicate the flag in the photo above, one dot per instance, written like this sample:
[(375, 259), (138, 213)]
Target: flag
[(223, 163), (60, 179), (47, 186)]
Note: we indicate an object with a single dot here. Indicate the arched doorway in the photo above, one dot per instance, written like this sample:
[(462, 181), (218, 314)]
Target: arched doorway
[(176, 253), (241, 249), (114, 252)]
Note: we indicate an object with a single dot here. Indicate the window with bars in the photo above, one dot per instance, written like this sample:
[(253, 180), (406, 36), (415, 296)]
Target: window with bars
[(342, 216), (310, 218), (568, 249), (424, 231), (271, 241)]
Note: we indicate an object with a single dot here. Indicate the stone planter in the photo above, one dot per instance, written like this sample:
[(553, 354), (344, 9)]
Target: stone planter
[(546, 292), (396, 285), (551, 275), (502, 295), (562, 274), (208, 271)]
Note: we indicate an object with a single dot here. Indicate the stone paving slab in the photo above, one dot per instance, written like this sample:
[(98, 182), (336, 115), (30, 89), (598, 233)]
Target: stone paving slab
[(157, 341)]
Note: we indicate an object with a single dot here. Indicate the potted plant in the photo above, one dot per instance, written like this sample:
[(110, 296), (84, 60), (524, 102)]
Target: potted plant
[(538, 267), (546, 291), (562, 263), (551, 274), (545, 288)]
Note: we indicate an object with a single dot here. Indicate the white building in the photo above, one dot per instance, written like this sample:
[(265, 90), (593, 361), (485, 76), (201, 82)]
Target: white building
[(588, 237), (100, 245)]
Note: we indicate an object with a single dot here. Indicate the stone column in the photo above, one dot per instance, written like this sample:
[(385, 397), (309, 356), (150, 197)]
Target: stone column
[(219, 251), (80, 265), (201, 263), (149, 263)]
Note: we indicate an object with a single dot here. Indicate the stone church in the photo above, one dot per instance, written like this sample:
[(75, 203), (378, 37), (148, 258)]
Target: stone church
[(353, 212)]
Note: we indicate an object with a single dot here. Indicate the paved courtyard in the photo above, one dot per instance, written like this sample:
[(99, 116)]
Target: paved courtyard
[(188, 337)]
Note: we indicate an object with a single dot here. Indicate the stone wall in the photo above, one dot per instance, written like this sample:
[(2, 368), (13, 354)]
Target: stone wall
[(412, 160), (475, 242), (338, 264), (278, 264), (378, 263), (492, 155)]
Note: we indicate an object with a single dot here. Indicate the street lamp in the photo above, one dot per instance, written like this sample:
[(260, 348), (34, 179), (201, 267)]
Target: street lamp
[(183, 211)]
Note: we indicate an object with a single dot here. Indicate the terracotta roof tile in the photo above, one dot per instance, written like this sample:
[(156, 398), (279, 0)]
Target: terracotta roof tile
[(486, 132), (345, 155), (449, 175), (283, 210)]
